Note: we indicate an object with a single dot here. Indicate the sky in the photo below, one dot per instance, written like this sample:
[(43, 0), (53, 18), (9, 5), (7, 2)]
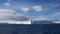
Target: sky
[(25, 10)]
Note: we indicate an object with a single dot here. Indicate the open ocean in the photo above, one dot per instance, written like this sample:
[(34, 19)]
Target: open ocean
[(30, 29)]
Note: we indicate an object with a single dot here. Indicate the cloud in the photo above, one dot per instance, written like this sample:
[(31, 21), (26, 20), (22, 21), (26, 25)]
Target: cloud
[(25, 9), (10, 15), (50, 17), (7, 4), (54, 16), (37, 8)]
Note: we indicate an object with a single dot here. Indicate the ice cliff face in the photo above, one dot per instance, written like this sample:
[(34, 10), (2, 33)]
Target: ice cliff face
[(15, 22), (42, 22)]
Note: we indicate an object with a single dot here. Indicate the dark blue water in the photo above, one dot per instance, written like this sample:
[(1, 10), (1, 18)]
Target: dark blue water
[(30, 29)]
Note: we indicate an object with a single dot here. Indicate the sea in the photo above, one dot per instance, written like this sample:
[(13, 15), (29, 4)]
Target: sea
[(29, 28)]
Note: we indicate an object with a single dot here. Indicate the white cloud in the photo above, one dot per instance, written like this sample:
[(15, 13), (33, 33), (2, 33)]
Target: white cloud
[(51, 17), (37, 8), (55, 14), (7, 4), (25, 9), (11, 16)]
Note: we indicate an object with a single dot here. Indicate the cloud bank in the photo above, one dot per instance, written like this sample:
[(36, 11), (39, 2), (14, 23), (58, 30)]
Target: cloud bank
[(10, 15), (37, 8)]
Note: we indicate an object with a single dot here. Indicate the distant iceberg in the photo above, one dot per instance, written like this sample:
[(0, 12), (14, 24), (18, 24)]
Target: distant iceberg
[(41, 22), (15, 22), (56, 22)]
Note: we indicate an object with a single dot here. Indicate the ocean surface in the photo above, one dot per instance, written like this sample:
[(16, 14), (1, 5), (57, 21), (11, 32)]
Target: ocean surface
[(30, 29)]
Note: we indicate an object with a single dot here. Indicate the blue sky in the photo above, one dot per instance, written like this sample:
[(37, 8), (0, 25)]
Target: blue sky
[(33, 9)]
